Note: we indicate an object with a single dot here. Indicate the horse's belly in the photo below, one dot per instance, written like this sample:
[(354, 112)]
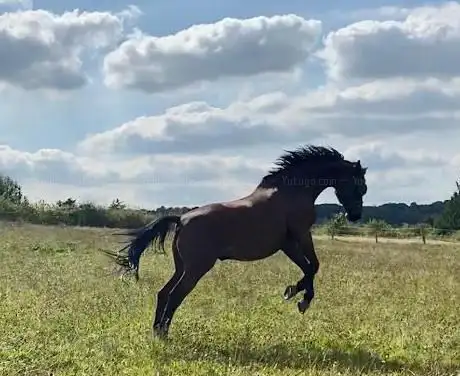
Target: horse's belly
[(252, 247), (240, 255)]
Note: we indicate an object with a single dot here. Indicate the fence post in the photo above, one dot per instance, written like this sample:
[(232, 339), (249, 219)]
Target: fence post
[(423, 233)]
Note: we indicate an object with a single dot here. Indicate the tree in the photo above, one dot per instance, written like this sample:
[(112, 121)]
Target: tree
[(430, 221), (70, 203), (336, 223), (117, 204), (10, 190), (449, 220), (377, 227)]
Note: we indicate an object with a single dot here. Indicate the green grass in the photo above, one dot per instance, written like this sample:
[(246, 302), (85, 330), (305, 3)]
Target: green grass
[(380, 309)]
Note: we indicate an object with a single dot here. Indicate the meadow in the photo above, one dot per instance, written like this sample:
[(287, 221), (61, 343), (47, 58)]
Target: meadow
[(380, 309)]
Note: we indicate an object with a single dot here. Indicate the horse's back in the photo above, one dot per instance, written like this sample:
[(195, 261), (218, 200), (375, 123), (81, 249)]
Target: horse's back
[(216, 214), (249, 207)]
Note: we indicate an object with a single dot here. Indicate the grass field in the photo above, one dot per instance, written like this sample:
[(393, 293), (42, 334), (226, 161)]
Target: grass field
[(380, 309)]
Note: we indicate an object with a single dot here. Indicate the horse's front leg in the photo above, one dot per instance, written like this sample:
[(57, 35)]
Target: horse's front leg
[(302, 253)]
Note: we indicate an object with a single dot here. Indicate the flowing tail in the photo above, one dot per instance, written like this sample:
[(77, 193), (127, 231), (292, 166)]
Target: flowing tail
[(154, 232)]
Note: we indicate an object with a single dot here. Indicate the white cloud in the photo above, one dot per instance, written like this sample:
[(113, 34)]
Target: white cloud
[(375, 108), (424, 44), (378, 155), (403, 126), (50, 166), (405, 174), (22, 4), (228, 48), (57, 166), (190, 128), (40, 49)]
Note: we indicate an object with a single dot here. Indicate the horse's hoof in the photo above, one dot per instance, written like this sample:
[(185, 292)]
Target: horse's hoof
[(303, 306), (162, 336), (290, 292), (160, 332)]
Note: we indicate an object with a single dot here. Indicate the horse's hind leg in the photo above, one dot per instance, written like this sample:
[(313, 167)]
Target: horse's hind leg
[(189, 279), (163, 294)]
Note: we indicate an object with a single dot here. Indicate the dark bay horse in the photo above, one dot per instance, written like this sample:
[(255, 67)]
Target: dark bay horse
[(277, 215)]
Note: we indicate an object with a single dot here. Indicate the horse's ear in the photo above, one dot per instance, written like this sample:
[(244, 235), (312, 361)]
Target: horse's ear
[(359, 167)]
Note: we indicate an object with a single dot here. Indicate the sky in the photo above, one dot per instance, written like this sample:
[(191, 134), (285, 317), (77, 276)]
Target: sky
[(182, 103)]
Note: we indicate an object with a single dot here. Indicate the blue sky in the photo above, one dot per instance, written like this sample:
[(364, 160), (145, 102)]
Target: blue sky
[(90, 110)]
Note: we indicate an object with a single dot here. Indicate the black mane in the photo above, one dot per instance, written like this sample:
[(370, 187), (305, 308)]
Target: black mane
[(306, 154)]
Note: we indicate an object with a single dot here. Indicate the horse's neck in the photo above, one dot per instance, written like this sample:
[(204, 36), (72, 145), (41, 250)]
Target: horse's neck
[(317, 190), (311, 187), (324, 179), (315, 182)]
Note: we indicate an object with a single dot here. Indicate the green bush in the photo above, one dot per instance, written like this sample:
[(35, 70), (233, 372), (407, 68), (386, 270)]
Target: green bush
[(85, 214)]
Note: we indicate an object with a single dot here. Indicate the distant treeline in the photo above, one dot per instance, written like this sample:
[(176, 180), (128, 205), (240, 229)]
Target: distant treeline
[(70, 212), (14, 206), (391, 213)]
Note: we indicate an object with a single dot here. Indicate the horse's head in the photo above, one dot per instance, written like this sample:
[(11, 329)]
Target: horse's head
[(317, 168), (350, 187)]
